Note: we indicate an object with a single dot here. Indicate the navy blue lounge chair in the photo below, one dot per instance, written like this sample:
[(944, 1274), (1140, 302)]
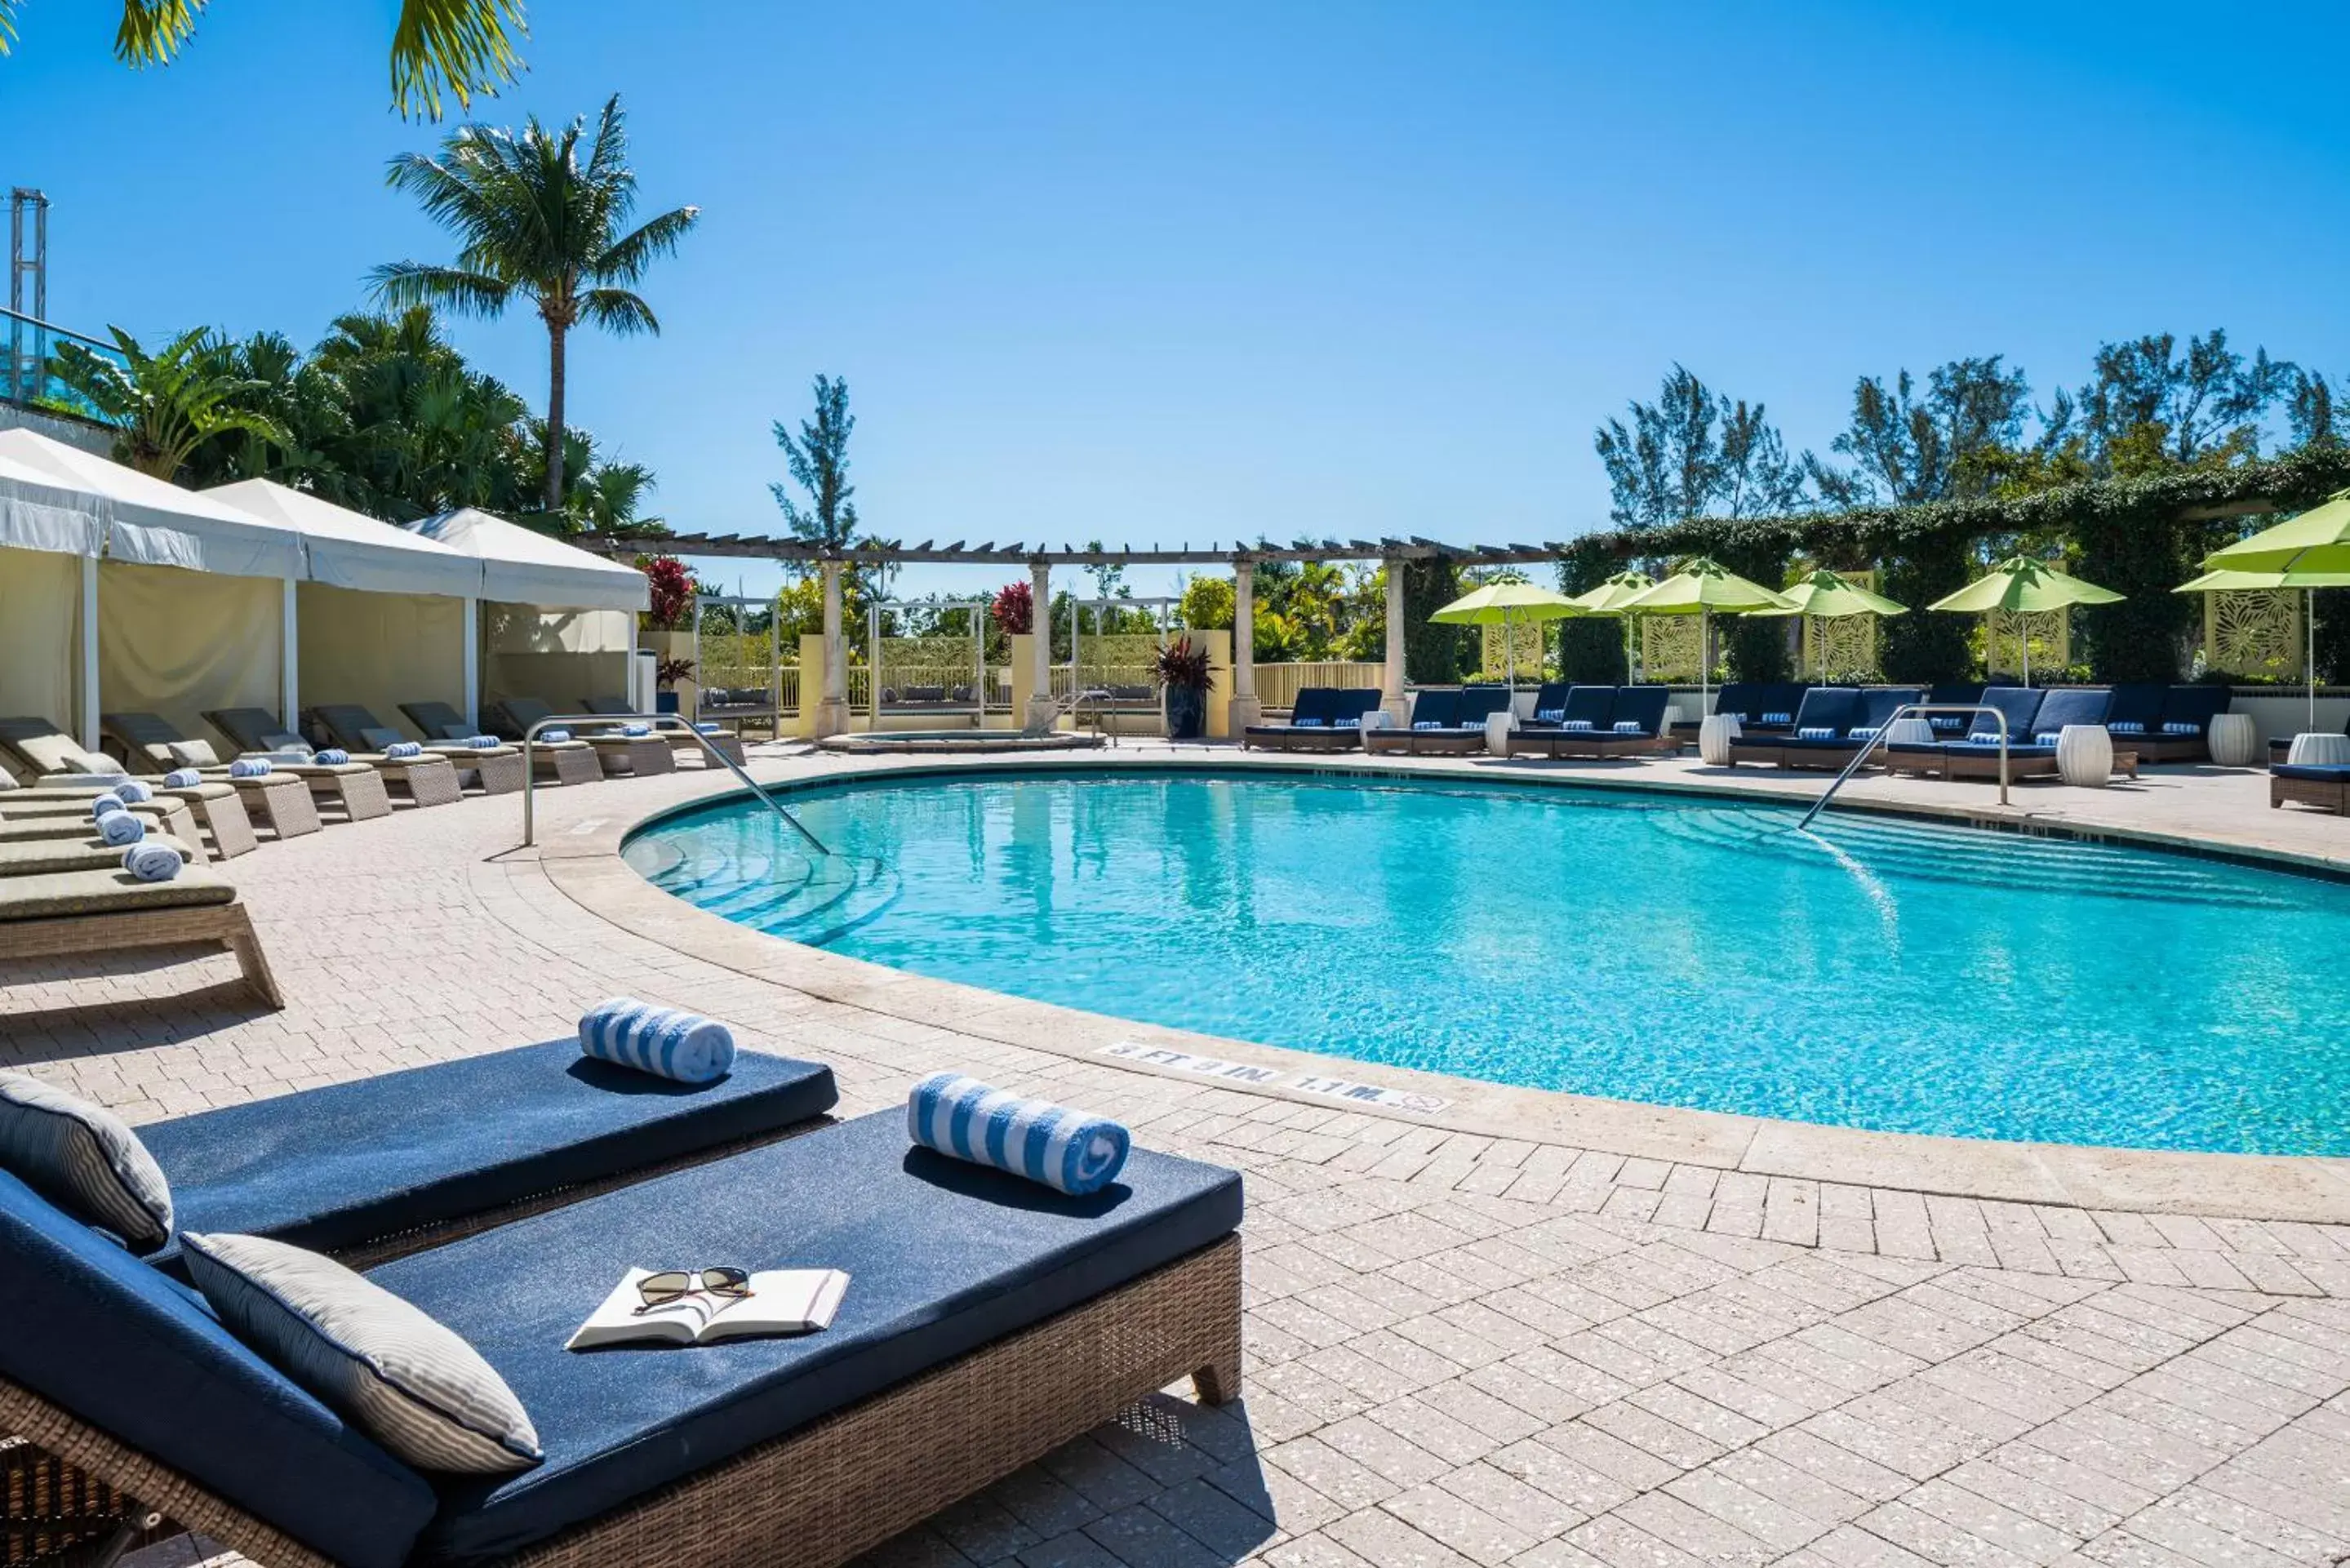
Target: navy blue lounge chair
[(2280, 746), (2181, 734), (1586, 709), (1773, 707), (1637, 726), (1953, 726), (2036, 755), (1316, 721), (2019, 704), (2323, 784), (1550, 704), (380, 1164), (1822, 717), (1442, 722), (987, 1319)]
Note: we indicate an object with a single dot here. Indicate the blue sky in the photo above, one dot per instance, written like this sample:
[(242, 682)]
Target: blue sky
[(1161, 273)]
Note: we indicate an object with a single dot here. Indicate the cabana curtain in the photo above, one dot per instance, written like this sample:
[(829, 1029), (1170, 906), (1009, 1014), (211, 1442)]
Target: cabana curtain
[(40, 604), (177, 642)]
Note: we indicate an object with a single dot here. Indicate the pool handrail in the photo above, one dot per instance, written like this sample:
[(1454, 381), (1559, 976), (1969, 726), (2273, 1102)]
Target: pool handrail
[(1884, 738), (654, 720)]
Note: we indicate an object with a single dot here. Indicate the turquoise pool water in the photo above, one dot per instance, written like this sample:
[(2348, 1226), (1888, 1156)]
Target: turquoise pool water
[(1883, 974)]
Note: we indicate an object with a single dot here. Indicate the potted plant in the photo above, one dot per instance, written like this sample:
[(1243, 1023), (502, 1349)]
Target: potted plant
[(1180, 671), (666, 675)]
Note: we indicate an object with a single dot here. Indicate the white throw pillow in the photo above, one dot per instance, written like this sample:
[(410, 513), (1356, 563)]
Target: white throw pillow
[(194, 753), (409, 1382), (85, 1159)]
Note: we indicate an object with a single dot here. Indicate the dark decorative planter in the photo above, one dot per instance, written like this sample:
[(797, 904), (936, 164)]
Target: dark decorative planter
[(1187, 714), (664, 701)]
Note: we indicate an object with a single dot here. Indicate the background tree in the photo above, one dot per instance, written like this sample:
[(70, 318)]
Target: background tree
[(167, 404), (534, 220), (1908, 448), (459, 47), (1694, 453), (818, 461)]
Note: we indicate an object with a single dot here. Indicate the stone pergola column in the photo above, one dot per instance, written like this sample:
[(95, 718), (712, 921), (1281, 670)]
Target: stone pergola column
[(1391, 698), (1245, 709), (832, 713), (1043, 712)]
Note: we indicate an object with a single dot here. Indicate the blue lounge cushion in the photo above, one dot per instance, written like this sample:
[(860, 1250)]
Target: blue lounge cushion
[(133, 1352), (942, 1257), (353, 1162), (2312, 773)]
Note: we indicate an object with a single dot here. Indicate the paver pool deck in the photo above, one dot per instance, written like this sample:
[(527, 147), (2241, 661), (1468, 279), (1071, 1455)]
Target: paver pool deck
[(1534, 1329)]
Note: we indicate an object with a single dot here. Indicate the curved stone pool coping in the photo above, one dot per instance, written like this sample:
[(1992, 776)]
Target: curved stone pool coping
[(975, 742), (587, 867)]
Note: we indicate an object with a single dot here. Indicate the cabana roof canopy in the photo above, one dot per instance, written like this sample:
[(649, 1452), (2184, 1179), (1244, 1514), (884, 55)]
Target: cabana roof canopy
[(349, 549), (154, 522), (38, 513), (523, 567)]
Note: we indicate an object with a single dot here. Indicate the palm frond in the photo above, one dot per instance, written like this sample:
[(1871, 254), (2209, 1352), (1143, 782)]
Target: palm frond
[(8, 25), (619, 311), (626, 259), (464, 47), (404, 285), (153, 31)]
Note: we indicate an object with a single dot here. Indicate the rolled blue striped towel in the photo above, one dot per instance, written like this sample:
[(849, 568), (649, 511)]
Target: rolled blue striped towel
[(1550, 715), (2047, 737), (1946, 721), (119, 828), (155, 862), (483, 743), (636, 732), (333, 756), (183, 778), (1426, 724), (2180, 727), (1307, 723), (1578, 725), (554, 737), (103, 806), (1630, 727), (400, 751), (130, 791), (1862, 733), (249, 768), (709, 727), (2126, 727), (1067, 1149), (662, 1041), (1815, 732), (1348, 724), (1778, 718)]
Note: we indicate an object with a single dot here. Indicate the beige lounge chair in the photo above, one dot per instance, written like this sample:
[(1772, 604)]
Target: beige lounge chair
[(80, 852), (492, 770), (563, 761), (254, 732), (48, 814), (680, 742), (51, 914), (152, 741), (48, 753), (618, 753)]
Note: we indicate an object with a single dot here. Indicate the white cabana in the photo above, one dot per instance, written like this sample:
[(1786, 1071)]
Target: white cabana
[(50, 536), (560, 624), (190, 606), (384, 615)]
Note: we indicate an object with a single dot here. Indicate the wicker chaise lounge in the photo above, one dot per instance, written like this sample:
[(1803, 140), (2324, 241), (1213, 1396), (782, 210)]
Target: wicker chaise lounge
[(1581, 709), (684, 744), (57, 913), (50, 813), (2033, 755), (2017, 705), (1321, 719), (617, 752), (987, 1322), (151, 741), (563, 762), (79, 851), (47, 755), (492, 770), (1637, 728), (1443, 722), (2321, 784)]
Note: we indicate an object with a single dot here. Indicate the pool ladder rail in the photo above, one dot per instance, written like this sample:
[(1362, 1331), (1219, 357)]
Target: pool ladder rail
[(656, 722), (1883, 742), (1072, 708)]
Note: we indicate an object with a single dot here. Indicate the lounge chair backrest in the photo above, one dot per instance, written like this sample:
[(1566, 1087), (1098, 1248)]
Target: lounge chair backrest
[(128, 1350), (1549, 695), (1478, 702), (1314, 705), (2019, 703), (1594, 704), (246, 728), (1833, 708), (1355, 701), (1435, 705), (1778, 697), (348, 724), (1955, 691), (522, 713), (2196, 705), (2071, 705), (2138, 702), (604, 705), (46, 748), (439, 721), (1738, 699), (147, 734), (1644, 705), (1879, 703)]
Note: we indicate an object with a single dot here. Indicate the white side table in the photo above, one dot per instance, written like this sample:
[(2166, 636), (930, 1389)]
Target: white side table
[(1497, 731), (2085, 755), (2318, 750), (1714, 738), (2234, 743)]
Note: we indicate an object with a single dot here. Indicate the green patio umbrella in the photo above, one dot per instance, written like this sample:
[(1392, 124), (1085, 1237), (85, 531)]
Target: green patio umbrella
[(1504, 605), (1608, 599), (1701, 586), (2308, 552), (1825, 596), (2022, 586)]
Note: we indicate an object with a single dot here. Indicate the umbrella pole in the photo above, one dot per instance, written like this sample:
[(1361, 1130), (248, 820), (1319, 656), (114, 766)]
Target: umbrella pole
[(1704, 658), (2309, 663)]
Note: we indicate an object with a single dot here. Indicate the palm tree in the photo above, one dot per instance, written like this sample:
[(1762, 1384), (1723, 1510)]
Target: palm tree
[(536, 221), (166, 404), (465, 46)]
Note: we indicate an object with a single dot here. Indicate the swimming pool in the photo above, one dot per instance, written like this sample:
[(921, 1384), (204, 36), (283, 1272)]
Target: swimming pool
[(1877, 973)]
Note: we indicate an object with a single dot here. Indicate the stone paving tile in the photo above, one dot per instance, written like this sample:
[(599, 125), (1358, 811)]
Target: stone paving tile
[(1460, 1348)]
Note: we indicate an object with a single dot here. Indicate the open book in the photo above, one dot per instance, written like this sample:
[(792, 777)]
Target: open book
[(781, 1301)]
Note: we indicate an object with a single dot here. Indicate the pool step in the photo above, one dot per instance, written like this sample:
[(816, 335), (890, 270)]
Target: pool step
[(1921, 852), (803, 897)]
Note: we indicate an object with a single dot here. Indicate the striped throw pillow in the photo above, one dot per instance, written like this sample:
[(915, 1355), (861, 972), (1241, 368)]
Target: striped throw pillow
[(85, 1159), (408, 1381)]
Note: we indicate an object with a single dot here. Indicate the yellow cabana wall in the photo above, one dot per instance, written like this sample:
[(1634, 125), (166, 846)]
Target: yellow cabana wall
[(380, 651), (176, 642), (40, 636), (560, 657)]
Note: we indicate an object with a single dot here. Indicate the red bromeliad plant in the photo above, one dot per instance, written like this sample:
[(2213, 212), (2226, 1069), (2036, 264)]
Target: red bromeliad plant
[(1014, 610)]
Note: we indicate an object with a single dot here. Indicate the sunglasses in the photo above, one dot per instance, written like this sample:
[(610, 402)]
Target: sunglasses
[(674, 1285)]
